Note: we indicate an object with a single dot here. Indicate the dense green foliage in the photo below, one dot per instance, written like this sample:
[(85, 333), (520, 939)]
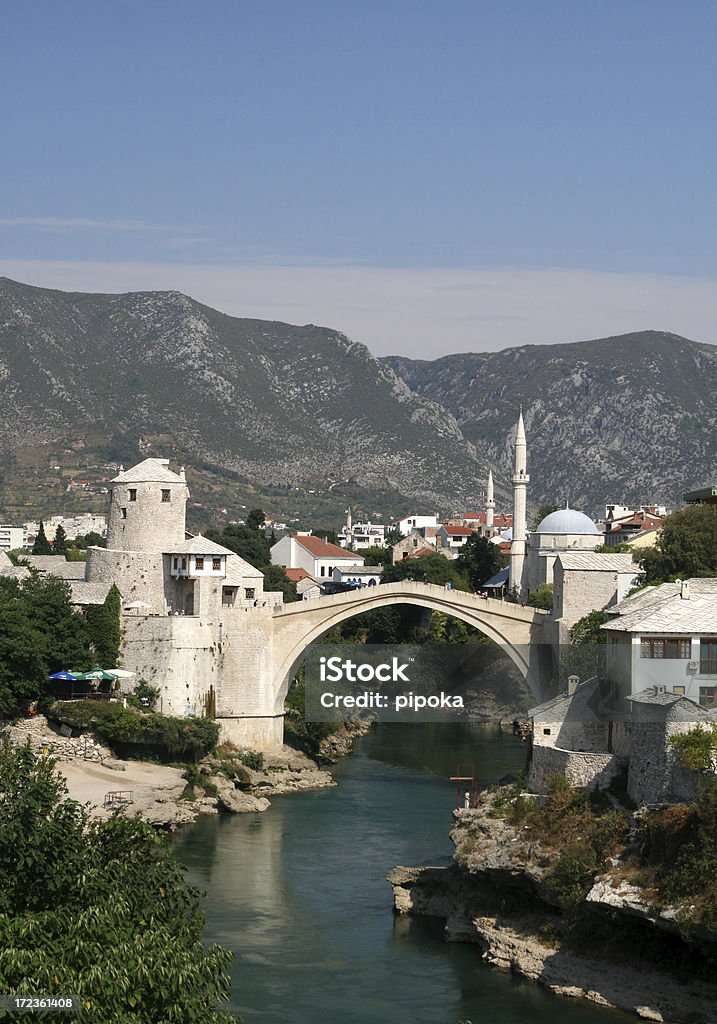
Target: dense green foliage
[(585, 655), (86, 540), (132, 731), (246, 541), (679, 845), (433, 568), (697, 749), (686, 547), (542, 597), (299, 733), (40, 634), (104, 624), (98, 909), (143, 696), (275, 578), (478, 561), (42, 545)]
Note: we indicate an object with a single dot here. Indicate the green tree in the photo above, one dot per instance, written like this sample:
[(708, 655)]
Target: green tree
[(585, 655), (248, 543), (256, 519), (98, 908), (59, 544), (615, 549), (686, 546), (376, 555), (23, 668), (91, 539), (275, 578), (587, 630), (433, 568), (64, 632), (478, 560), (542, 597), (104, 630), (42, 544)]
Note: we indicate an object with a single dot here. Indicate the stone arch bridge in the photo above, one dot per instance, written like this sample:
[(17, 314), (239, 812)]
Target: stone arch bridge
[(295, 626), (238, 666)]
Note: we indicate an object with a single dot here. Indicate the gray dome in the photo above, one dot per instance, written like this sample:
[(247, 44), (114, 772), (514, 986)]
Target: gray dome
[(567, 520)]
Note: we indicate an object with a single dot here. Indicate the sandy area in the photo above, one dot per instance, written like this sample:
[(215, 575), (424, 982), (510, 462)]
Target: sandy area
[(148, 783)]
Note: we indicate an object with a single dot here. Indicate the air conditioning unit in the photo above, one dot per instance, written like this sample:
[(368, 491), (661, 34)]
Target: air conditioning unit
[(692, 666)]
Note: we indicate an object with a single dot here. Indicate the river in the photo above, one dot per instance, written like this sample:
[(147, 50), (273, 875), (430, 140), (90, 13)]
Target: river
[(299, 893)]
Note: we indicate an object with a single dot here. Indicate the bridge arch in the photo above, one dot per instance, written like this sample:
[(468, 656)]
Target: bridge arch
[(518, 630)]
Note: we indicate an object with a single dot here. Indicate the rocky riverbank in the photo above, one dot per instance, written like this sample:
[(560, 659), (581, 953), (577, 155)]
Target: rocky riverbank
[(616, 949), (165, 795)]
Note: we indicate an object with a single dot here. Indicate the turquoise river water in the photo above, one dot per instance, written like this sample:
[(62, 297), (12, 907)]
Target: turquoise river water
[(299, 893)]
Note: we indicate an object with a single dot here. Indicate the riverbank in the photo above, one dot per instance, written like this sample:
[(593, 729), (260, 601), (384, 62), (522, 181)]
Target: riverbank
[(611, 945)]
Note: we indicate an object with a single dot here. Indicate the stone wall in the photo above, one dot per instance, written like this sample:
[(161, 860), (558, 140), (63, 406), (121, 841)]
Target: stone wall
[(138, 574), (584, 770), (56, 741), (655, 775)]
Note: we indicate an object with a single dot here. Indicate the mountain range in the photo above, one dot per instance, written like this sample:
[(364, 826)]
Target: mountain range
[(304, 420)]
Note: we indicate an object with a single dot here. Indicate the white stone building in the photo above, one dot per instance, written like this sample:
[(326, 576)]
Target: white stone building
[(12, 537), (415, 522), (316, 556), (566, 530), (666, 636), (584, 581), (358, 575), (361, 535)]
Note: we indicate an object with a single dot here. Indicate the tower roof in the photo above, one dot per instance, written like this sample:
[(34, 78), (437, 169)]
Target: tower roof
[(520, 429), (149, 471)]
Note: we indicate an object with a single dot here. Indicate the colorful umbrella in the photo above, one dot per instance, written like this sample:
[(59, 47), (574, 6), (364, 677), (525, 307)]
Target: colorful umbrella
[(64, 675)]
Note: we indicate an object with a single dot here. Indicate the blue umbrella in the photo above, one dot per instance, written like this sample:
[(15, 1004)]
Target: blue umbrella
[(64, 674)]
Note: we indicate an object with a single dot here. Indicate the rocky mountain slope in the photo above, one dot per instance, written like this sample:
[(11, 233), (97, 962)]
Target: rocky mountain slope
[(630, 418), (275, 405)]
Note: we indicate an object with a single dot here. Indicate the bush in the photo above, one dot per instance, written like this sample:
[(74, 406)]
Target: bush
[(252, 759), (168, 737)]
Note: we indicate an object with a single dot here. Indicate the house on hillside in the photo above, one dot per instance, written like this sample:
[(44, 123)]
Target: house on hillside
[(418, 541), (451, 538), (415, 522), (316, 556)]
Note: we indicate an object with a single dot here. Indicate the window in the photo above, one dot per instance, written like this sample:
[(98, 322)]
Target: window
[(249, 593), (216, 563), (133, 494), (322, 570), (708, 655), (679, 691), (707, 696), (664, 647), (166, 495), (176, 562), (546, 732), (124, 513), (184, 563), (199, 562)]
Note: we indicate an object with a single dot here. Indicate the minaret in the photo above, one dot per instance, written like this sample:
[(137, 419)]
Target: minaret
[(489, 506), (349, 520), (520, 522)]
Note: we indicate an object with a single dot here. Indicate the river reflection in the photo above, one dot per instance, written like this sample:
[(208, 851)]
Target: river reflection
[(300, 894)]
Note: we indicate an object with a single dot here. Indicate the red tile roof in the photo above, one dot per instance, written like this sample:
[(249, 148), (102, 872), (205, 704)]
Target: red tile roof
[(295, 575), (322, 549), (459, 531)]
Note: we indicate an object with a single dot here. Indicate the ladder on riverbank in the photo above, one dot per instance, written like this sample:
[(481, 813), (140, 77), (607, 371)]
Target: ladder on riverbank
[(466, 787)]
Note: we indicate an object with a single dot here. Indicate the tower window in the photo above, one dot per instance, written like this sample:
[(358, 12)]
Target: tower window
[(166, 495), (199, 562), (216, 564), (124, 513), (133, 494)]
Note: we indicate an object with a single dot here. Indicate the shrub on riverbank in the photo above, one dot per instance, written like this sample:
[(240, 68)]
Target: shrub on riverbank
[(139, 733), (98, 909)]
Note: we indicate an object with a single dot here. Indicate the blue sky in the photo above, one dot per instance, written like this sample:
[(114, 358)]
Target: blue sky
[(427, 177)]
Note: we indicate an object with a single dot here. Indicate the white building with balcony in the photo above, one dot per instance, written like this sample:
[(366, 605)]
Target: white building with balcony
[(666, 637)]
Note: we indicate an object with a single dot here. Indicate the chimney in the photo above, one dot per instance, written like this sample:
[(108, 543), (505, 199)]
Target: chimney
[(573, 683), (685, 590)]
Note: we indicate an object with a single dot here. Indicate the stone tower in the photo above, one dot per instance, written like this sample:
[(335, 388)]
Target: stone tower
[(148, 505), (489, 506), (520, 522)]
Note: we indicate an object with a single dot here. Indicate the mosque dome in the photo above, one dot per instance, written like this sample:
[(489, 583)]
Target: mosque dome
[(567, 521)]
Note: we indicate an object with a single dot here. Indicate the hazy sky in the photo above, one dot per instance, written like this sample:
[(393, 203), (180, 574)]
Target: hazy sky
[(428, 177)]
